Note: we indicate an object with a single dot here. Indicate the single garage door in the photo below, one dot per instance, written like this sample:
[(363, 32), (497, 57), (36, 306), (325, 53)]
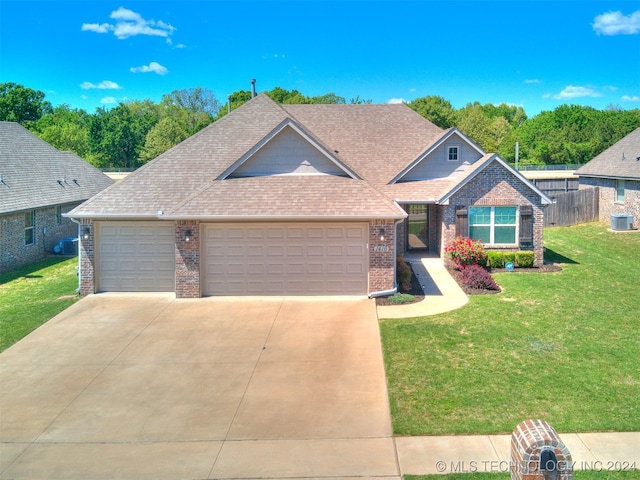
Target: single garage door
[(135, 257), (285, 259)]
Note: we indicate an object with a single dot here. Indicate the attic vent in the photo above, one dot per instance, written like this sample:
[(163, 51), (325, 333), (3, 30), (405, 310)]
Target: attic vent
[(621, 221)]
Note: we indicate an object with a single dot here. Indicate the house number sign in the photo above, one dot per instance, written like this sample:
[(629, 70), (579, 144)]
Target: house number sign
[(381, 248)]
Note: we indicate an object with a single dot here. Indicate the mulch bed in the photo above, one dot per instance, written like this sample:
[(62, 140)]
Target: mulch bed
[(416, 289), (546, 267)]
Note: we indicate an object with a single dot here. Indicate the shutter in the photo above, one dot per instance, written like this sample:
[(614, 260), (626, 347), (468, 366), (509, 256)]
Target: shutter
[(462, 222), (526, 224)]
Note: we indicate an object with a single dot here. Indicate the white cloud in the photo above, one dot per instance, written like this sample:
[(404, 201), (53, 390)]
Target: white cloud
[(570, 92), (108, 100), (96, 27), (615, 23), (128, 24), (396, 100), (627, 98), (103, 85), (154, 67), (531, 81)]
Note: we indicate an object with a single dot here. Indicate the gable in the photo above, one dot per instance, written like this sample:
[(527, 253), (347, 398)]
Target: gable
[(435, 161), (287, 152)]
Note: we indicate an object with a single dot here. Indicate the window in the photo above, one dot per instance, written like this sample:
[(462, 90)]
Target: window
[(452, 154), (493, 225), (58, 214), (619, 190), (29, 228)]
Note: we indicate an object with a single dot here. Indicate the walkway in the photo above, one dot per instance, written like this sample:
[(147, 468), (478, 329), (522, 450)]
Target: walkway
[(606, 451), (442, 293)]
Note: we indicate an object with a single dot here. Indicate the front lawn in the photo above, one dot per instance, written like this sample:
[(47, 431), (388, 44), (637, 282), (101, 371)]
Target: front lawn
[(563, 347), (34, 294)]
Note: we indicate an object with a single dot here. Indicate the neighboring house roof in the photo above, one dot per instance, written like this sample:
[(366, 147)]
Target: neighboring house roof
[(621, 160), (345, 157), (35, 175)]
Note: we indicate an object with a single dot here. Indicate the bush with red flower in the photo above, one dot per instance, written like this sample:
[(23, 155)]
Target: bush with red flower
[(465, 251)]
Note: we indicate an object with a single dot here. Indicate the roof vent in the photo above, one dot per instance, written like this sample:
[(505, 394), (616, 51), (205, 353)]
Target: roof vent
[(253, 87), (621, 221), (60, 183)]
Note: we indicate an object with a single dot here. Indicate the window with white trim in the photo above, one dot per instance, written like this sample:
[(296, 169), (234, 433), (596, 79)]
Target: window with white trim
[(453, 153), (493, 225), (619, 190), (30, 227)]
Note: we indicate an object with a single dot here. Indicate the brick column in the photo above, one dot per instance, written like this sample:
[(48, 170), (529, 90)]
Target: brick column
[(382, 256), (87, 258), (187, 258)]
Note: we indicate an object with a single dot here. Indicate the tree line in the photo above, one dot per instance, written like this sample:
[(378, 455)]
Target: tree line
[(134, 132)]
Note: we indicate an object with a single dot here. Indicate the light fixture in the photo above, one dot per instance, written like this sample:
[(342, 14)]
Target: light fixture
[(85, 233), (382, 232), (187, 235)]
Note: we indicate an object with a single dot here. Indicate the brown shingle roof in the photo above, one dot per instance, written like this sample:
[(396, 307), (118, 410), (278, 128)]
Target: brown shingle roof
[(621, 160), (309, 196), (374, 141), (35, 174)]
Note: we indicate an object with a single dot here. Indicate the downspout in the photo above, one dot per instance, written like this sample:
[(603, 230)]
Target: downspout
[(394, 290), (79, 267)]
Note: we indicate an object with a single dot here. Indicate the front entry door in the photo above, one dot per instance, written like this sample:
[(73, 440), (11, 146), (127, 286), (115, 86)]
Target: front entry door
[(417, 227)]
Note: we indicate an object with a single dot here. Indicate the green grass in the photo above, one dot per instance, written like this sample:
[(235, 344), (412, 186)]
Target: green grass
[(563, 347), (32, 295)]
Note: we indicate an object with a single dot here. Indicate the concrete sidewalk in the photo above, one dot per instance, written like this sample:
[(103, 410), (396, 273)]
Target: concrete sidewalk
[(442, 293), (605, 451)]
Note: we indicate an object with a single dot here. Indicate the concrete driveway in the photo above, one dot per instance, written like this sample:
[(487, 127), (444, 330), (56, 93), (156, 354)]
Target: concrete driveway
[(147, 386)]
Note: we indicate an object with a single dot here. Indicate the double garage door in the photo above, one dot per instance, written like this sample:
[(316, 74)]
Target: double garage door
[(285, 259), (238, 259)]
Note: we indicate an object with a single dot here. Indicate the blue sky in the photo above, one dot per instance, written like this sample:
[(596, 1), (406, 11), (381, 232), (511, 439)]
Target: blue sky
[(537, 55)]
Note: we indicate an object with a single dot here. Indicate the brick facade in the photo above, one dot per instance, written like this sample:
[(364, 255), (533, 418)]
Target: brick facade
[(86, 253), (187, 259), (15, 253), (382, 256), (495, 186), (608, 205)]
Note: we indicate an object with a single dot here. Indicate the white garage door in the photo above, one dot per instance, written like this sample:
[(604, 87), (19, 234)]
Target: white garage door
[(135, 256), (285, 259)]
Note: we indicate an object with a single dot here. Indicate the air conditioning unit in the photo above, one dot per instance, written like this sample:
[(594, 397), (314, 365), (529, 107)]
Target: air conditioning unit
[(621, 221), (69, 246)]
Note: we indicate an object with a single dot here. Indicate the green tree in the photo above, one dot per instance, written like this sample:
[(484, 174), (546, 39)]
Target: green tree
[(164, 135), (192, 108), (117, 136), (435, 109), (21, 104), (66, 129)]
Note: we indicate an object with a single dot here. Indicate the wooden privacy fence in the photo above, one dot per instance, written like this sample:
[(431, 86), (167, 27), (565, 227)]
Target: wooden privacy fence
[(571, 208)]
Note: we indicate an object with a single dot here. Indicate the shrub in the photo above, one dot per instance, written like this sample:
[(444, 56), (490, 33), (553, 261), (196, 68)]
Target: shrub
[(474, 276), (400, 298), (509, 257), (495, 259), (464, 251), (403, 273), (525, 258)]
